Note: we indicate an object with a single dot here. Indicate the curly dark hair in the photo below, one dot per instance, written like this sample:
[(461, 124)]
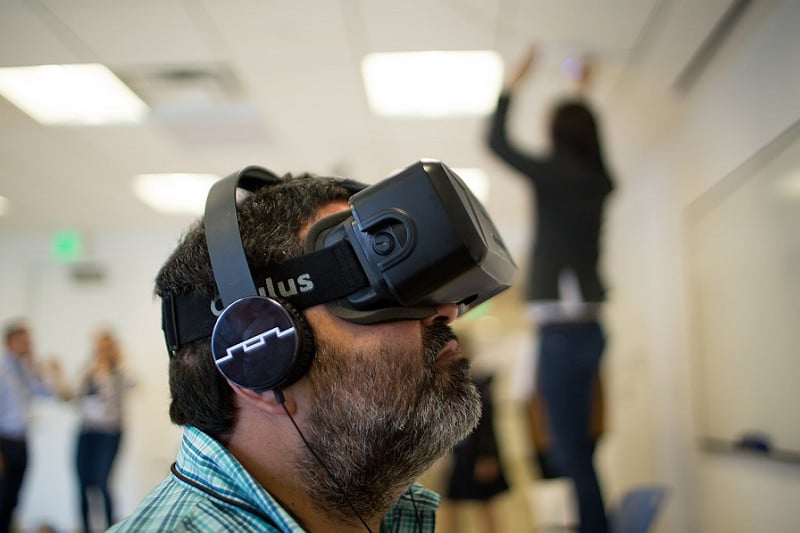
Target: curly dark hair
[(270, 221)]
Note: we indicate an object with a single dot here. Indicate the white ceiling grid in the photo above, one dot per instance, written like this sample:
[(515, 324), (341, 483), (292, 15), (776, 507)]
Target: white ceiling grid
[(302, 104)]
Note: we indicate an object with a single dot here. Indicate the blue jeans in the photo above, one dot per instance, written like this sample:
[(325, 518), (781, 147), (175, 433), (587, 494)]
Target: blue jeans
[(96, 453), (569, 355)]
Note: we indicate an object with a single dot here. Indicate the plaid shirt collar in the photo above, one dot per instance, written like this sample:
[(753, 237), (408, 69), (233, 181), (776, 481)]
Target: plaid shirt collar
[(205, 461)]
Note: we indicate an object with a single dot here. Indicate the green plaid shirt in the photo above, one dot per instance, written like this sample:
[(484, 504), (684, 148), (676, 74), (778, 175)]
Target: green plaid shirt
[(244, 505)]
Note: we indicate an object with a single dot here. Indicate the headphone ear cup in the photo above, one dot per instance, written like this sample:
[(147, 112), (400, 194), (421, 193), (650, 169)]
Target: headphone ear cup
[(308, 347), (261, 344)]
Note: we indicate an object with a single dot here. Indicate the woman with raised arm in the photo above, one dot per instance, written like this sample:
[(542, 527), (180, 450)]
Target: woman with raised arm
[(564, 290)]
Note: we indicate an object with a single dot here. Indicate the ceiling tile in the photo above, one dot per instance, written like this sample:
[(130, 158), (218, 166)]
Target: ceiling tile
[(27, 39), (144, 31)]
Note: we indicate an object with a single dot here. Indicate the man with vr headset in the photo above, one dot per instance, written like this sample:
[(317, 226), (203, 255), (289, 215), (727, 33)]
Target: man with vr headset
[(311, 361)]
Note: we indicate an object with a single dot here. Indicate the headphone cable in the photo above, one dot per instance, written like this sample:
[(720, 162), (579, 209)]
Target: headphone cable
[(279, 397), (230, 501), (416, 512)]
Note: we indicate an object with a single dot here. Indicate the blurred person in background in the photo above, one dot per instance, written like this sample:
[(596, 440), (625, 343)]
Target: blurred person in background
[(476, 474), (540, 433), (100, 396), (564, 291), (21, 378)]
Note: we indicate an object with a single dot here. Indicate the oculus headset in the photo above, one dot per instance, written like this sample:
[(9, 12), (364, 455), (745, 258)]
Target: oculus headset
[(414, 240)]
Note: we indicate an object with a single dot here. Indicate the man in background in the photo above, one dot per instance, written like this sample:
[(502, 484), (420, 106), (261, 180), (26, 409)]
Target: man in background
[(20, 380)]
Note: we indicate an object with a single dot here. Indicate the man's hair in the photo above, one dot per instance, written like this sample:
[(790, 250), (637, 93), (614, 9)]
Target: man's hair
[(270, 221), (12, 328)]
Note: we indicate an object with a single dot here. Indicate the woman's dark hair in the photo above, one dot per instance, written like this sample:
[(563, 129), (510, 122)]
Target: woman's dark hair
[(270, 221), (573, 128)]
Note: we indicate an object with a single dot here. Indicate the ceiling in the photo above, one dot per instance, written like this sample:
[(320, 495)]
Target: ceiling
[(286, 91)]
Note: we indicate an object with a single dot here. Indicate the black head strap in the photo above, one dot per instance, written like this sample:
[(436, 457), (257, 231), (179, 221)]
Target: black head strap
[(222, 232), (187, 317), (332, 271)]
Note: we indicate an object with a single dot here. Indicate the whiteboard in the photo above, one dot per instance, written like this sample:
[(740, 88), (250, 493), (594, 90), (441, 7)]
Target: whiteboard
[(743, 249)]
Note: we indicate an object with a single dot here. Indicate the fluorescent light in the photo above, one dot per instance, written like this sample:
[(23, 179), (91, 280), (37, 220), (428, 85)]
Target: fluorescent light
[(3, 205), (477, 181), (71, 94), (432, 84), (183, 194)]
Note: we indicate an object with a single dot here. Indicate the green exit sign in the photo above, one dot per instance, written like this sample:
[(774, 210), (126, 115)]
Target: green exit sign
[(66, 245)]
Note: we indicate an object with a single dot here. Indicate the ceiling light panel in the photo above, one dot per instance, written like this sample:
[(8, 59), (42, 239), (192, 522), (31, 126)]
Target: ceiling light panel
[(174, 194), (433, 83), (71, 94)]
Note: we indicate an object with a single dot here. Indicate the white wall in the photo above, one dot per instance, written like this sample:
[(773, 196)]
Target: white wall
[(745, 98)]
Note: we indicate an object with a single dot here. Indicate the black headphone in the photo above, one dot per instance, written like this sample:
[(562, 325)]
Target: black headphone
[(258, 342)]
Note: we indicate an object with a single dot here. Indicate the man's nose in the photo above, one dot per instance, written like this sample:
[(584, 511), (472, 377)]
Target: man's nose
[(445, 313)]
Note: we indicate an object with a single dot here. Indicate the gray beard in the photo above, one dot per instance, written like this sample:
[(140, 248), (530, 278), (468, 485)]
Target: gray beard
[(378, 423)]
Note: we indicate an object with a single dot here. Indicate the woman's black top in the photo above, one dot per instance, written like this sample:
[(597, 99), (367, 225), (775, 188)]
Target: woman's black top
[(569, 201)]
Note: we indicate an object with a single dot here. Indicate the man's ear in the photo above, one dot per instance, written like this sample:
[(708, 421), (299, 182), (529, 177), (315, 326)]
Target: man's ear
[(268, 401)]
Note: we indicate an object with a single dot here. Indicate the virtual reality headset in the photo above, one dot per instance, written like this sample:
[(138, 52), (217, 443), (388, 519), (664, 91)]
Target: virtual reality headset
[(414, 240)]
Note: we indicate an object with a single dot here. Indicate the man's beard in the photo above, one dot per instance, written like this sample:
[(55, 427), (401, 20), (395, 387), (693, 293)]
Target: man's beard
[(379, 420)]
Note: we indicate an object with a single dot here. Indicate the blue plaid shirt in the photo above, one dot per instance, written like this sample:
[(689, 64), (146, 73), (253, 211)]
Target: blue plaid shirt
[(17, 387), (240, 503)]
